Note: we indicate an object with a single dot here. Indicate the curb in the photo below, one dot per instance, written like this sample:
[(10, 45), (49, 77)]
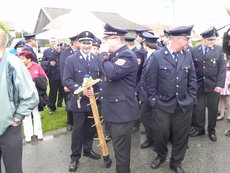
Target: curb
[(48, 136)]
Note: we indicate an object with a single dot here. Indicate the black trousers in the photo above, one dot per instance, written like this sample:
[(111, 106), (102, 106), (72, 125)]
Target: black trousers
[(146, 118), (211, 101), (11, 149), (177, 125), (82, 134), (67, 97), (121, 138), (56, 88)]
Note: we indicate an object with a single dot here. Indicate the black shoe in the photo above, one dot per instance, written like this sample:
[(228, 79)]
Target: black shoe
[(147, 143), (212, 137), (73, 165), (135, 129), (157, 162), (197, 133), (192, 130), (177, 169), (69, 127), (92, 155)]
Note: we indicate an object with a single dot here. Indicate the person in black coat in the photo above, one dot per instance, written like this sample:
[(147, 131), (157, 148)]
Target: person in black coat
[(63, 56), (77, 65), (118, 100), (50, 64), (171, 88), (146, 113), (30, 42), (210, 67)]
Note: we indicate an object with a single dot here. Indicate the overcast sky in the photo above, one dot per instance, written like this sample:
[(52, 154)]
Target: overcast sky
[(202, 13)]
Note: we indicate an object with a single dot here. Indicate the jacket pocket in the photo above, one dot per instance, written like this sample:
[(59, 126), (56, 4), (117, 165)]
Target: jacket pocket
[(114, 99)]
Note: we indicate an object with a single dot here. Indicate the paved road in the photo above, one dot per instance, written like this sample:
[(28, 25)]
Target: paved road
[(52, 155)]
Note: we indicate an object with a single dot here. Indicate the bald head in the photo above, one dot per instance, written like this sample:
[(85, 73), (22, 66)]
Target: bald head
[(3, 39)]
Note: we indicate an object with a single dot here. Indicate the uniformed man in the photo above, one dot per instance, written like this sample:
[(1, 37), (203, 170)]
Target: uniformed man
[(77, 65), (140, 40), (96, 46), (129, 41), (146, 115), (50, 64), (30, 42), (210, 71), (63, 56), (171, 88), (119, 103)]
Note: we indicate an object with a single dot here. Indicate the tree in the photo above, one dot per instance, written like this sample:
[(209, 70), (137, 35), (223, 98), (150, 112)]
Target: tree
[(4, 28)]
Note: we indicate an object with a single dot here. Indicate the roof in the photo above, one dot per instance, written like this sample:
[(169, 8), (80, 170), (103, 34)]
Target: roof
[(47, 14), (52, 13), (115, 19)]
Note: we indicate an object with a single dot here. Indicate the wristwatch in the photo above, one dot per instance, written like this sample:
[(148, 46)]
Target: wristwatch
[(18, 122)]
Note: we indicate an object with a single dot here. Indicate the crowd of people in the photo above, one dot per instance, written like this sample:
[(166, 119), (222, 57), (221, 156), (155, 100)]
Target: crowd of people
[(162, 82)]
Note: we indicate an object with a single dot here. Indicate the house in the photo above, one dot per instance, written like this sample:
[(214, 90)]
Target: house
[(47, 14)]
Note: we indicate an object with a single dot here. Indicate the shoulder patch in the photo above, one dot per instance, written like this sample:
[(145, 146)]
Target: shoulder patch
[(120, 62)]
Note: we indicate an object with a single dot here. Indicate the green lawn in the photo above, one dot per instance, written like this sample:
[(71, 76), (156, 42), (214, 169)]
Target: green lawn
[(54, 121)]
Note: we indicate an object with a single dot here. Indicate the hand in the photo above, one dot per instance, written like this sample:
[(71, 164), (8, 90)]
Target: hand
[(88, 92), (53, 63), (218, 89), (14, 123), (66, 89), (57, 48)]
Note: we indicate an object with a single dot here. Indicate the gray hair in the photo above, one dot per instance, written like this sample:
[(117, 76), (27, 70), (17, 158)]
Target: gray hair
[(3, 38)]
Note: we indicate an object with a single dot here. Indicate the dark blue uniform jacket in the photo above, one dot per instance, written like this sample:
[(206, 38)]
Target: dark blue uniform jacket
[(119, 103), (141, 88), (63, 56), (75, 69), (53, 72), (210, 68), (168, 83)]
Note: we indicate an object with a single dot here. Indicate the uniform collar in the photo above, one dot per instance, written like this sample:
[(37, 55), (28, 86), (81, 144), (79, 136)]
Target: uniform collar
[(84, 55)]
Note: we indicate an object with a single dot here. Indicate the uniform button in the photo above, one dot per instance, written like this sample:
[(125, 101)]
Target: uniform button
[(100, 89), (177, 77), (177, 86), (204, 67), (177, 94), (153, 99), (101, 97), (203, 61), (203, 77), (116, 100)]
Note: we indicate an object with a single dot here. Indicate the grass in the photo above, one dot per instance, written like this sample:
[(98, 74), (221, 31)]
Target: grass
[(54, 121)]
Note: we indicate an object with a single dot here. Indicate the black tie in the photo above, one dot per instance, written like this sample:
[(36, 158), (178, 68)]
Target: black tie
[(206, 51), (88, 60), (175, 56)]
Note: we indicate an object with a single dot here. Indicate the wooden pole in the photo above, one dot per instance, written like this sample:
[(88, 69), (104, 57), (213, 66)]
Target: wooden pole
[(87, 84)]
